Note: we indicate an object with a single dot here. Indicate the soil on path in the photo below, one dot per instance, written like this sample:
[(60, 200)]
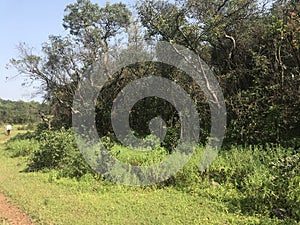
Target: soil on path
[(10, 214), (5, 138)]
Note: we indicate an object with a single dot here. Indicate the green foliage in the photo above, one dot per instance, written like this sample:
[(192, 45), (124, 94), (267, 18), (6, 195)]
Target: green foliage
[(22, 145), (87, 21), (138, 157), (59, 151), (188, 177), (255, 54), (26, 127), (250, 180), (253, 50), (265, 179), (19, 112), (59, 201), (253, 180), (171, 139)]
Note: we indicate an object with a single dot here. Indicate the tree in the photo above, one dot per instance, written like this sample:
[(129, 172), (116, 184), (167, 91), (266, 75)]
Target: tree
[(64, 59), (253, 51), (19, 112), (252, 46)]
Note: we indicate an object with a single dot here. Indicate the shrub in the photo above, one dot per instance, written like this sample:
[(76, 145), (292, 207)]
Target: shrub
[(293, 197), (59, 151), (171, 139), (266, 178)]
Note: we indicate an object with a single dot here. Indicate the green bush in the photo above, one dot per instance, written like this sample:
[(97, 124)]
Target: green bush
[(253, 180), (285, 171), (171, 139), (293, 197), (267, 179), (58, 151), (22, 147), (25, 127)]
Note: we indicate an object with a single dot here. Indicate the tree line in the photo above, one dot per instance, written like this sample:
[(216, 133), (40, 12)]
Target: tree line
[(20, 112), (252, 46)]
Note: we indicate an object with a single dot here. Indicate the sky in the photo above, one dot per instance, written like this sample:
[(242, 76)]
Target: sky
[(29, 21)]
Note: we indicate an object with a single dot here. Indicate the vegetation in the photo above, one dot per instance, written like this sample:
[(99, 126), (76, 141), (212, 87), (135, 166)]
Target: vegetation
[(19, 112), (253, 49), (243, 186), (258, 182)]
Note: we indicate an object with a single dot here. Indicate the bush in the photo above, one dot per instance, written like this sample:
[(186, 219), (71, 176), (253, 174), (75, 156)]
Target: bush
[(266, 178), (189, 176), (253, 180), (59, 151)]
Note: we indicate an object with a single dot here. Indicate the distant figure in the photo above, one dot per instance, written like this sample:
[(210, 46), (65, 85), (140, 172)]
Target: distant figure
[(8, 129)]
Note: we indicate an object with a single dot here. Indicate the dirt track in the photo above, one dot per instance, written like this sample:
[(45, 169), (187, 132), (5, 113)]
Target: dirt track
[(10, 214)]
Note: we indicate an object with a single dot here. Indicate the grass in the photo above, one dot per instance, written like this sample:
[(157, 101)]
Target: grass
[(49, 200), (66, 201), (70, 202), (17, 129)]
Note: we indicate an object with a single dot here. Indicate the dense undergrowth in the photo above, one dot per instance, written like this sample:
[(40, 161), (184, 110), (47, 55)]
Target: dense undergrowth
[(252, 180)]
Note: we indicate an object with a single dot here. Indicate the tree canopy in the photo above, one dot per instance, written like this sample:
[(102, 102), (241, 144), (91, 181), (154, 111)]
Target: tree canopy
[(20, 112), (252, 46)]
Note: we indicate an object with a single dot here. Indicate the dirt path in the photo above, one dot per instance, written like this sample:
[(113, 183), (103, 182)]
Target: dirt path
[(10, 214), (5, 138)]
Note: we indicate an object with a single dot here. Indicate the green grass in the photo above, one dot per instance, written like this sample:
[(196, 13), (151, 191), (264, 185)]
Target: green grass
[(16, 130), (66, 201), (245, 182), (2, 136)]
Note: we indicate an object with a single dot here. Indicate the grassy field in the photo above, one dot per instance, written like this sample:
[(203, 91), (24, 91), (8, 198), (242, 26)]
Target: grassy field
[(72, 202), (48, 200)]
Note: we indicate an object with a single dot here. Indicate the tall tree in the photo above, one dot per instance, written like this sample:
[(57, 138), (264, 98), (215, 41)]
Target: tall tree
[(64, 59), (253, 48)]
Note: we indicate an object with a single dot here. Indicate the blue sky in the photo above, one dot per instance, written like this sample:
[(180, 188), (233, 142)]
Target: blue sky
[(29, 21)]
